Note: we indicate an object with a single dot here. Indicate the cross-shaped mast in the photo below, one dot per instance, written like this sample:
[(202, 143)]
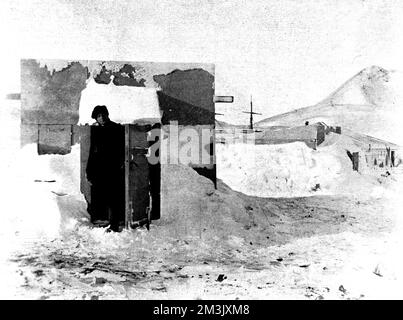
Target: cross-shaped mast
[(251, 114)]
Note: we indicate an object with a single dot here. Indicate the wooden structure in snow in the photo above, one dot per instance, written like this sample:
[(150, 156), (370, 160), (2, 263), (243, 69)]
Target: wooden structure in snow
[(51, 92), (382, 156), (311, 135)]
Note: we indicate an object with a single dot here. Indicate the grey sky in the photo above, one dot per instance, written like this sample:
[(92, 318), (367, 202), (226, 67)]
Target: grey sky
[(287, 54)]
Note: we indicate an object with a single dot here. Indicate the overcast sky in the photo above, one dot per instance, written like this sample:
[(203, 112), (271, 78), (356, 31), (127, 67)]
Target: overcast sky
[(287, 54)]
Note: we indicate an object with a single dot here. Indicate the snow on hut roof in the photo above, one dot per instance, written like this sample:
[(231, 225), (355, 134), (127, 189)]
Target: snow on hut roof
[(125, 104)]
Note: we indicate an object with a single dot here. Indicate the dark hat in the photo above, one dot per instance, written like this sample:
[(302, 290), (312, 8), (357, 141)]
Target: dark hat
[(99, 109)]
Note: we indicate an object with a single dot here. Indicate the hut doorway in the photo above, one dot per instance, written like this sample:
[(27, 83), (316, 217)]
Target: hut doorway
[(136, 193)]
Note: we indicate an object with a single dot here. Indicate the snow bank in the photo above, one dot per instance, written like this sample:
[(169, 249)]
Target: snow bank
[(286, 170), (190, 206), (41, 194), (295, 170)]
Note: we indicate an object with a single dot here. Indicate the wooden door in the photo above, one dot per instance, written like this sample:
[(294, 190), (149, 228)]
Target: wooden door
[(137, 175)]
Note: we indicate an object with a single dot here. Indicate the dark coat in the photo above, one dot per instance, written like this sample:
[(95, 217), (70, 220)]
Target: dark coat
[(106, 157)]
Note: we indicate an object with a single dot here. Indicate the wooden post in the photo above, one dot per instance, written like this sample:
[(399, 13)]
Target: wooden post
[(71, 135), (38, 140), (387, 160), (355, 161), (128, 212)]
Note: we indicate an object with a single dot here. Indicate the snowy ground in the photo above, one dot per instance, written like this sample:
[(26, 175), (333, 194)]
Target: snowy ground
[(317, 247), (209, 244), (311, 247)]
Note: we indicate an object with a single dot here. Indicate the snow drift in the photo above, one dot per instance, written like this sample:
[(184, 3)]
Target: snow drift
[(293, 170), (42, 193), (288, 170)]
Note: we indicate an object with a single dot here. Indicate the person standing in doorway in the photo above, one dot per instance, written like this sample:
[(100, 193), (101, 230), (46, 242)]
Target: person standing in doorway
[(105, 170)]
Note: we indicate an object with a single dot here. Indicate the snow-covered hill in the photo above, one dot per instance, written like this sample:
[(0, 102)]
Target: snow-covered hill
[(370, 103)]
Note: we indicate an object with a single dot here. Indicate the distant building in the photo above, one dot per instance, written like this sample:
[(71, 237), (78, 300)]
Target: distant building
[(382, 156)]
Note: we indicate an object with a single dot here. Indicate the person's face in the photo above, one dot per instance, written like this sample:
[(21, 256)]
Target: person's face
[(102, 119)]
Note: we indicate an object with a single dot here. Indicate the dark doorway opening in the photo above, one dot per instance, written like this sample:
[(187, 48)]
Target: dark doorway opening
[(125, 186)]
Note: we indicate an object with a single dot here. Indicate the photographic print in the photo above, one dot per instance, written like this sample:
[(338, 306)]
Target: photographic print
[(201, 150)]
